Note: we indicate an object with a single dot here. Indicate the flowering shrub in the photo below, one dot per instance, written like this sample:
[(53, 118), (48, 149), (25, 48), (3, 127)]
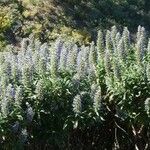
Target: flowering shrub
[(55, 93)]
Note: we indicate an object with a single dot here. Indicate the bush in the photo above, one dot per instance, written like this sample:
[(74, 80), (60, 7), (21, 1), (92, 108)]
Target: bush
[(59, 96)]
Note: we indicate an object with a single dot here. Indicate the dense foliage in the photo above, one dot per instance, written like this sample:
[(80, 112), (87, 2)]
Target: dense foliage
[(60, 96)]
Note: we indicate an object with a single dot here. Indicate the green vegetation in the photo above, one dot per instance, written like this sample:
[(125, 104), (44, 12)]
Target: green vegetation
[(72, 76), (59, 96)]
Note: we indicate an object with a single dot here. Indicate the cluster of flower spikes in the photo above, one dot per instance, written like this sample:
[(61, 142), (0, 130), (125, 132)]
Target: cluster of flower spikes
[(18, 71), (113, 50), (118, 48)]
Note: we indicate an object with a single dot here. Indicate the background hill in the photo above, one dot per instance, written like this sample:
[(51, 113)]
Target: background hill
[(78, 19)]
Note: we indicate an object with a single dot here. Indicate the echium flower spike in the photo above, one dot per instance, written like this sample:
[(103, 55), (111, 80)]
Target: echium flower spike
[(36, 59), (144, 39), (6, 69), (94, 87), (63, 58), (7, 100), (18, 96), (42, 66), (116, 69), (10, 92), (86, 58), (97, 99), (121, 50), (80, 64), (54, 63), (138, 35), (100, 45), (117, 38), (148, 47), (55, 56), (126, 38), (5, 107), (2, 58), (72, 58), (113, 36), (37, 45), (140, 50), (107, 63), (39, 91), (109, 44), (24, 45), (141, 34), (93, 54), (148, 71), (4, 83), (58, 47), (26, 76), (147, 106), (31, 42), (77, 104), (44, 50), (92, 60), (15, 72)]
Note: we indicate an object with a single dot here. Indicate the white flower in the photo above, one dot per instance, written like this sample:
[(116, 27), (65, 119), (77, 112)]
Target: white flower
[(5, 104), (126, 38), (26, 75), (109, 44), (77, 104), (15, 72), (97, 99), (94, 87), (117, 38), (113, 36), (92, 60), (107, 62), (55, 56), (116, 69), (72, 58), (140, 49), (10, 92), (6, 69), (39, 90), (63, 58), (18, 96), (138, 33), (24, 44), (100, 45), (147, 106), (121, 50), (42, 66), (148, 47), (81, 64)]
